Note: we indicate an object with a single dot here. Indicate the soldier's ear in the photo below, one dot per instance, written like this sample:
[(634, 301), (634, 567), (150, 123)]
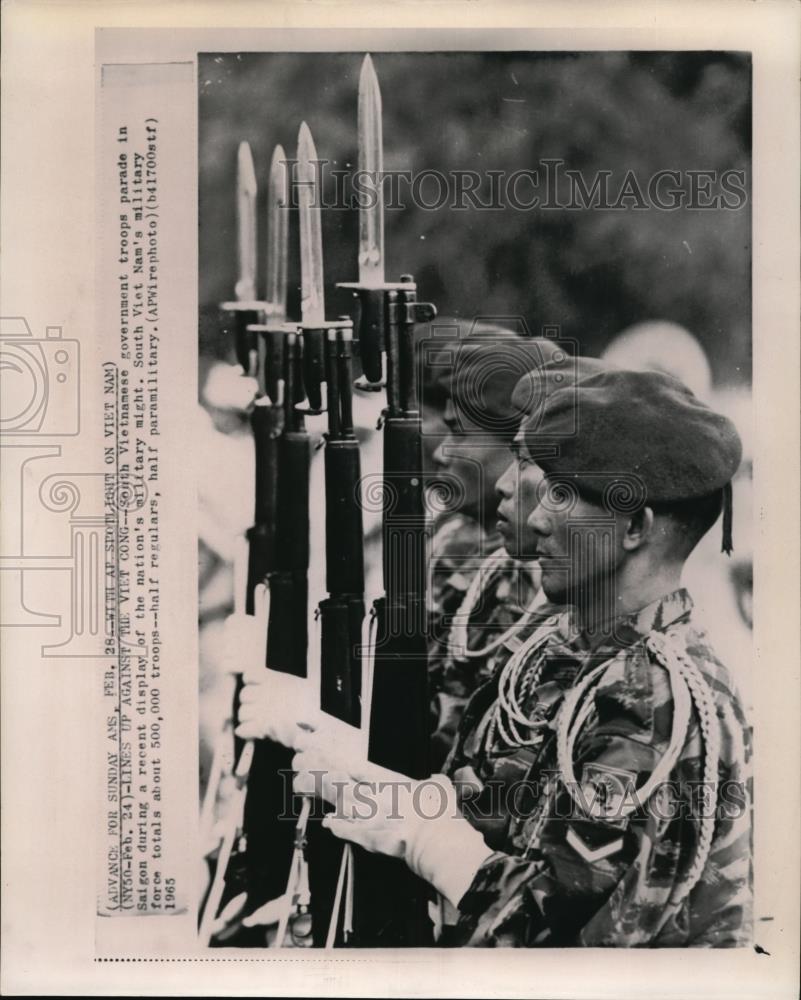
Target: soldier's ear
[(638, 529)]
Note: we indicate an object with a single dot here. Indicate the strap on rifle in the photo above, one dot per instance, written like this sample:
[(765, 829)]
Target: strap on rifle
[(296, 899), (368, 654), (226, 848), (344, 886)]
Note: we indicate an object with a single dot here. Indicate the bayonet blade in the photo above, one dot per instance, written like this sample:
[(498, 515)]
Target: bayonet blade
[(246, 190), (371, 167), (312, 301), (277, 234)]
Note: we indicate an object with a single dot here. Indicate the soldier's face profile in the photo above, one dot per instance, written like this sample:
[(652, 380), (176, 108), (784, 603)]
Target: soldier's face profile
[(574, 541), (517, 489), (476, 458)]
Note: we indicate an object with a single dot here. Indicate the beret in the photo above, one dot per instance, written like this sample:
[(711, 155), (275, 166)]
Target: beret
[(531, 391), (620, 427), (480, 373)]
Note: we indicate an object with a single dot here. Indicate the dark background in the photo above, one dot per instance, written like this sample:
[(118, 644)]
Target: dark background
[(593, 272)]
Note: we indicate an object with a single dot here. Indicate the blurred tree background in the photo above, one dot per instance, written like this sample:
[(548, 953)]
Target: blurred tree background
[(593, 271)]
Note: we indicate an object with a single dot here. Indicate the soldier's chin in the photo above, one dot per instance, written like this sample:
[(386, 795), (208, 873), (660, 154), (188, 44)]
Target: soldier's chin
[(554, 585), (510, 541)]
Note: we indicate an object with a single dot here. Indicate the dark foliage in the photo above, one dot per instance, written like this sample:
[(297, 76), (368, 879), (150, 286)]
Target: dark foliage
[(592, 271)]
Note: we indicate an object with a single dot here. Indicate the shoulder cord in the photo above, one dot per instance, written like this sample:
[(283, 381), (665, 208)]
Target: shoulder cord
[(457, 639), (690, 690), (579, 705), (514, 682), (664, 647)]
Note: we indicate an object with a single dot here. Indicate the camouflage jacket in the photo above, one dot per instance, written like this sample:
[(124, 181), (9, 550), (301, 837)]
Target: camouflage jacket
[(459, 548), (568, 874)]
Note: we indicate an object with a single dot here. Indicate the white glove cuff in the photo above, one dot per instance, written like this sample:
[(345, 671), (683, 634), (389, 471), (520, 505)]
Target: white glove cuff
[(444, 848)]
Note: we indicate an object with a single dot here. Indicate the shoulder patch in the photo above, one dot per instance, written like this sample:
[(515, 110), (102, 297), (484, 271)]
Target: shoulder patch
[(607, 793)]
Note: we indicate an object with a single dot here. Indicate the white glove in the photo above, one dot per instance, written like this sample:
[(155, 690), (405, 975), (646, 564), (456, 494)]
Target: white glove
[(245, 641), (388, 813), (276, 706), (330, 758)]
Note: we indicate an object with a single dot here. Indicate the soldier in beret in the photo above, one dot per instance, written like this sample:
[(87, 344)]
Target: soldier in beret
[(609, 759), (471, 379), (484, 594), (472, 581)]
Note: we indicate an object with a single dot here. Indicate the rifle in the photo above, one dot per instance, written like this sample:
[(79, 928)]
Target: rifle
[(278, 559), (391, 904), (229, 754), (341, 614), (328, 375), (268, 820), (269, 830)]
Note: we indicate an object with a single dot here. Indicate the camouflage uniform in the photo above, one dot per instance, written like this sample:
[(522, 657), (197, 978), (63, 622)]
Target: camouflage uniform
[(460, 545), (566, 875)]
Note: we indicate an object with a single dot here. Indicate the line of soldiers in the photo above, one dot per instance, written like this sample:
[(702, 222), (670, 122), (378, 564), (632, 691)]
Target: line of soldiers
[(595, 781)]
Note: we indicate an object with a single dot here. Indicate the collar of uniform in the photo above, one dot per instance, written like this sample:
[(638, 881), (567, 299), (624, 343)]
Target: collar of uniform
[(664, 612), (629, 629)]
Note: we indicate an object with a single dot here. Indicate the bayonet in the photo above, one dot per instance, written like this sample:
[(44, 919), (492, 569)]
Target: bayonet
[(277, 235), (245, 309), (371, 167), (370, 290), (246, 191), (312, 299), (272, 333)]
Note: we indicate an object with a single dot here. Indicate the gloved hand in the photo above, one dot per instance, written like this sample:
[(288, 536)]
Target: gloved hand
[(276, 706), (388, 813), (330, 758), (245, 641)]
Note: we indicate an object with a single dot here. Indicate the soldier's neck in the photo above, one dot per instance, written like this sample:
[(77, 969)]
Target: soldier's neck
[(633, 587)]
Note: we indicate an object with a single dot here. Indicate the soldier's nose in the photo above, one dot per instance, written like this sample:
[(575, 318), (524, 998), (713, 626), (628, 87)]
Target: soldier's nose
[(440, 457), (504, 485)]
